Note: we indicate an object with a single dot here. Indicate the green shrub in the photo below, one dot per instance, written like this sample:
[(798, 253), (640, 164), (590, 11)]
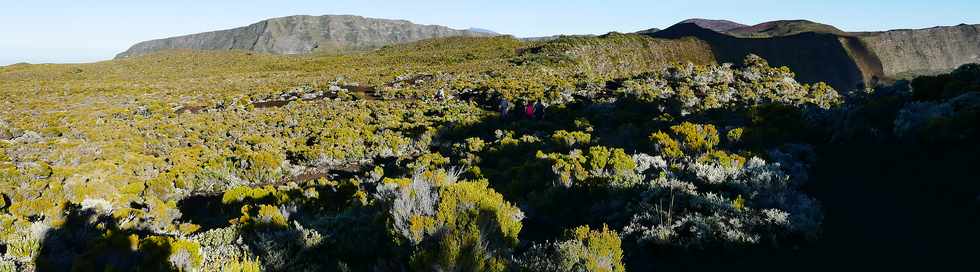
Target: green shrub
[(738, 203), (261, 166), (244, 193), (429, 161), (686, 138), (478, 230), (621, 163), (569, 168), (7, 265), (242, 266), (734, 136), (595, 250), (583, 249), (571, 139), (666, 145), (696, 138), (185, 255), (475, 145), (725, 159), (613, 161), (598, 158), (265, 216), (178, 254)]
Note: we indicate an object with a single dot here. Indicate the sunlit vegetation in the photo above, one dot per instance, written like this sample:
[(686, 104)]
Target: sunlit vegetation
[(239, 161), (616, 55)]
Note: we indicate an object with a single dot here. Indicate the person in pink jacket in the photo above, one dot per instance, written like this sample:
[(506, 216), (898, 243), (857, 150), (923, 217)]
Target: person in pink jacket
[(529, 110)]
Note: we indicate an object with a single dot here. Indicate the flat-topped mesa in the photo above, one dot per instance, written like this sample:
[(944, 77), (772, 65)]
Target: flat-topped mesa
[(305, 34)]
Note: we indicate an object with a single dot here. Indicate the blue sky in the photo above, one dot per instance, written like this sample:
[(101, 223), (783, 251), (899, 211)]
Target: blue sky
[(61, 31)]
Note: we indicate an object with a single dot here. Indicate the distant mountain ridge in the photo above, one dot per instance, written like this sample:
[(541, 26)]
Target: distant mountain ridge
[(716, 25), (782, 28), (482, 30), (846, 60), (306, 34), (816, 52), (648, 31)]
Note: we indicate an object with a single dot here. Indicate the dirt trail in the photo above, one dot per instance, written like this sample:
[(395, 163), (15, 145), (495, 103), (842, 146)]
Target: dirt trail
[(357, 91), (360, 92)]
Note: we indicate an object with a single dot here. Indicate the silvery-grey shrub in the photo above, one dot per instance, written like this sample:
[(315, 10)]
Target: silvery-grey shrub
[(420, 198), (698, 206)]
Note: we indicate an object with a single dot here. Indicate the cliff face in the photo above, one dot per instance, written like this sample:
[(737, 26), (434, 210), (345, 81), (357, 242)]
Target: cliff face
[(304, 34), (815, 57), (238, 38), (844, 60), (905, 53)]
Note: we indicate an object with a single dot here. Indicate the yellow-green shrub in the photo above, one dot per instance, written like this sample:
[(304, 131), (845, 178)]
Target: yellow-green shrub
[(595, 250), (735, 135), (479, 229), (262, 166), (185, 255), (571, 139), (724, 159), (695, 137), (569, 168), (242, 266), (263, 216), (666, 145), (242, 193)]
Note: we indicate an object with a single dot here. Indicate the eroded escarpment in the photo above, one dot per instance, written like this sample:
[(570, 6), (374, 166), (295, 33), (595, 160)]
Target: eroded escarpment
[(845, 60), (908, 53), (815, 57)]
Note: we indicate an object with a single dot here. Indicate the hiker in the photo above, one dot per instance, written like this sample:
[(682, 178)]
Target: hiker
[(441, 95), (504, 107), (529, 110), (539, 110)]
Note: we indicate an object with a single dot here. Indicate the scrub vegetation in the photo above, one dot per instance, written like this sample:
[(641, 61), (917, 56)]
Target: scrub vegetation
[(402, 158)]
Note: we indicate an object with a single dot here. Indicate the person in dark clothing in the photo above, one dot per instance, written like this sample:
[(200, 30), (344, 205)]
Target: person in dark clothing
[(441, 95), (539, 110), (504, 107)]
